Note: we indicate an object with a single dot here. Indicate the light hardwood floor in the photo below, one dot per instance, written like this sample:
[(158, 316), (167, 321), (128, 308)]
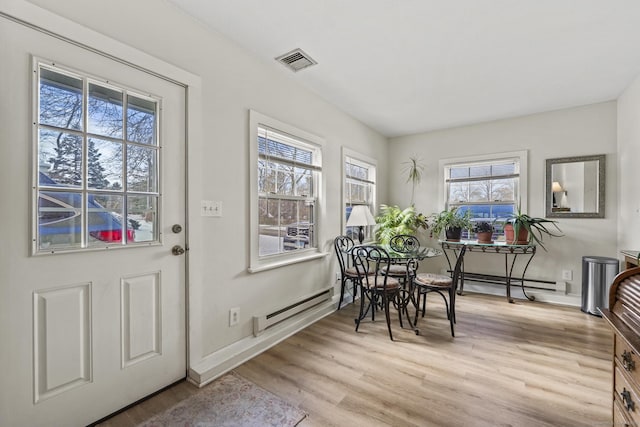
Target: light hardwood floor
[(522, 364)]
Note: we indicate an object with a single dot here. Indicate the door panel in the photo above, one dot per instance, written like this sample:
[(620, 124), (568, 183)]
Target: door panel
[(84, 334)]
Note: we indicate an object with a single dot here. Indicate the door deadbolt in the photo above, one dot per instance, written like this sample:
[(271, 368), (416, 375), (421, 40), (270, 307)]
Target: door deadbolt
[(177, 228), (177, 250)]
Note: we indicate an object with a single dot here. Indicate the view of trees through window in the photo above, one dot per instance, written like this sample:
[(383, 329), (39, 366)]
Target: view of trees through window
[(287, 192), (489, 190), (97, 163)]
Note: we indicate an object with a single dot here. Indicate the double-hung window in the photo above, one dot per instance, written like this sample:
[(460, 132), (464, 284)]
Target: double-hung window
[(490, 187), (359, 188), (288, 168)]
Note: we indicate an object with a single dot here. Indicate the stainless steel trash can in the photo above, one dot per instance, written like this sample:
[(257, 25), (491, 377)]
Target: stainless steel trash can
[(597, 275)]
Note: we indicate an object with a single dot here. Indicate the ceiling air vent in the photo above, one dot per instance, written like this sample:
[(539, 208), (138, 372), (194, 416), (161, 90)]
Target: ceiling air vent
[(296, 60)]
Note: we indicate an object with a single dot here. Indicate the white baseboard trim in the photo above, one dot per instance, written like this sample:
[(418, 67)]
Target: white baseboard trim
[(222, 361), (516, 293)]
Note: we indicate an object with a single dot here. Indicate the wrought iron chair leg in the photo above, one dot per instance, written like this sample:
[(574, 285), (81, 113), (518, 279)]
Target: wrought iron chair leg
[(387, 315)]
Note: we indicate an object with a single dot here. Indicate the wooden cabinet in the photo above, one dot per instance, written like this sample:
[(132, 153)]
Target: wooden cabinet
[(623, 316)]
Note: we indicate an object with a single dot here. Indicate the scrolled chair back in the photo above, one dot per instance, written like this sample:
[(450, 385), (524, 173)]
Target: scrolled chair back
[(368, 260), (404, 243), (343, 246)]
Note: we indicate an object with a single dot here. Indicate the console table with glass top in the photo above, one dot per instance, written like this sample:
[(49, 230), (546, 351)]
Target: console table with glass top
[(500, 248)]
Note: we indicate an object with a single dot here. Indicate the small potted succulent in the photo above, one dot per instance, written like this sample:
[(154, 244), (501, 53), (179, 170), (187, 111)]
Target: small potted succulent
[(484, 231)]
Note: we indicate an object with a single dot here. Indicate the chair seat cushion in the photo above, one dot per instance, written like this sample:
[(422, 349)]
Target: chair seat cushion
[(378, 283), (395, 270), (353, 272), (430, 279)]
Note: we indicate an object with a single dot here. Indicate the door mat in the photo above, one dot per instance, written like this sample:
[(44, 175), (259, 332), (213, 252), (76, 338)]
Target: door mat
[(230, 401)]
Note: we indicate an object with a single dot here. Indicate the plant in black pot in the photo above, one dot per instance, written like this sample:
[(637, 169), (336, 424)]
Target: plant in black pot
[(451, 222), (484, 231)]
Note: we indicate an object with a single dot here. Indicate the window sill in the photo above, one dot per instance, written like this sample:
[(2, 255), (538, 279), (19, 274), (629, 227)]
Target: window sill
[(284, 262)]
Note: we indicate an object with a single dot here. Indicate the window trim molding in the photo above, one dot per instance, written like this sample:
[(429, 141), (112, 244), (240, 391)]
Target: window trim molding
[(522, 155), (257, 263), (356, 155)]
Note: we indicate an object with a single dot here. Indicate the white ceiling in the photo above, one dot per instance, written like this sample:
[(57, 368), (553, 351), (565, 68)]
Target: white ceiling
[(408, 66)]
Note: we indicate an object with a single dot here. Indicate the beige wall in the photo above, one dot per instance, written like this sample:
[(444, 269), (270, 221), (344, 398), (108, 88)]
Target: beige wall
[(628, 170), (572, 132)]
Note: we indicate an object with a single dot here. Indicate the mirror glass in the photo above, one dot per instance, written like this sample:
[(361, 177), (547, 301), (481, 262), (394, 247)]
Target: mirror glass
[(575, 187)]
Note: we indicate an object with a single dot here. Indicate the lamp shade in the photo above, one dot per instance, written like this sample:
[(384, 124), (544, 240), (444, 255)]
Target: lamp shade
[(360, 216), (556, 187)]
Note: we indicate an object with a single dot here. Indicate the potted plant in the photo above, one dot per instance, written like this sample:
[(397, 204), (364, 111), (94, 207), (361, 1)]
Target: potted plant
[(451, 222), (484, 231), (414, 169), (522, 229), (393, 221)]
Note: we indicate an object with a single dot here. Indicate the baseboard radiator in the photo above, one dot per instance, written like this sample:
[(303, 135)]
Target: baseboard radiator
[(262, 323)]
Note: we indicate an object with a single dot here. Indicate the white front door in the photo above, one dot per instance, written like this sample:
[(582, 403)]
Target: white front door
[(92, 299)]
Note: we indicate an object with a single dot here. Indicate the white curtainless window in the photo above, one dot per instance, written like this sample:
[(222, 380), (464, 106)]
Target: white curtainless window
[(359, 189), (287, 163), (96, 178), (490, 187)]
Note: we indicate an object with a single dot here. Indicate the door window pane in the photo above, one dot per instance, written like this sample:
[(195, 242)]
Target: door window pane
[(141, 120), (142, 218), (60, 100), (59, 220), (105, 219), (104, 164), (105, 111), (141, 168), (60, 158)]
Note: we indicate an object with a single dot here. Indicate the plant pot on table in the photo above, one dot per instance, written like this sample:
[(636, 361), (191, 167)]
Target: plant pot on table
[(453, 234), (510, 237)]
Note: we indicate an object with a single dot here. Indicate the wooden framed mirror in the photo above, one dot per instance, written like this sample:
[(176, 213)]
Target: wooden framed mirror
[(574, 187)]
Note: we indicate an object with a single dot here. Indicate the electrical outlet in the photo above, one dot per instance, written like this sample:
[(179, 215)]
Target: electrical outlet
[(567, 275), (234, 316)]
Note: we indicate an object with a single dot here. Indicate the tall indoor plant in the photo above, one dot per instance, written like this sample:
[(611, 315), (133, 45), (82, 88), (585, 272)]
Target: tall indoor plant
[(413, 168), (393, 221)]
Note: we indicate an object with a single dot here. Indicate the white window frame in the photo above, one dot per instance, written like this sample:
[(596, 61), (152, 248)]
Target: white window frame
[(259, 263), (371, 164), (520, 156)]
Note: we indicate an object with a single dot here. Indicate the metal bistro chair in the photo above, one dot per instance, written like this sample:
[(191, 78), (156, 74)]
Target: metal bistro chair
[(403, 269), (348, 273), (376, 289), (429, 282)]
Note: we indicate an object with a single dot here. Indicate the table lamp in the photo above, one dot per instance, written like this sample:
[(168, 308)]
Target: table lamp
[(555, 188), (359, 217)]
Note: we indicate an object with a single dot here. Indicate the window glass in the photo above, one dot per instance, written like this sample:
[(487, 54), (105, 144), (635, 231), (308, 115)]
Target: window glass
[(489, 189), (359, 189), (287, 197), (105, 111), (93, 187), (61, 100)]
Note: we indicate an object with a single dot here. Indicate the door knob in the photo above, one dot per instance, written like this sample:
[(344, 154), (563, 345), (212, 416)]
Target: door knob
[(177, 250), (177, 228)]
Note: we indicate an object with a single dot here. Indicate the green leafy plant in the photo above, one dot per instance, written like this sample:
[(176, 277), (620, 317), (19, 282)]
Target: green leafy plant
[(413, 168), (536, 227), (393, 221), (483, 227), (449, 218)]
